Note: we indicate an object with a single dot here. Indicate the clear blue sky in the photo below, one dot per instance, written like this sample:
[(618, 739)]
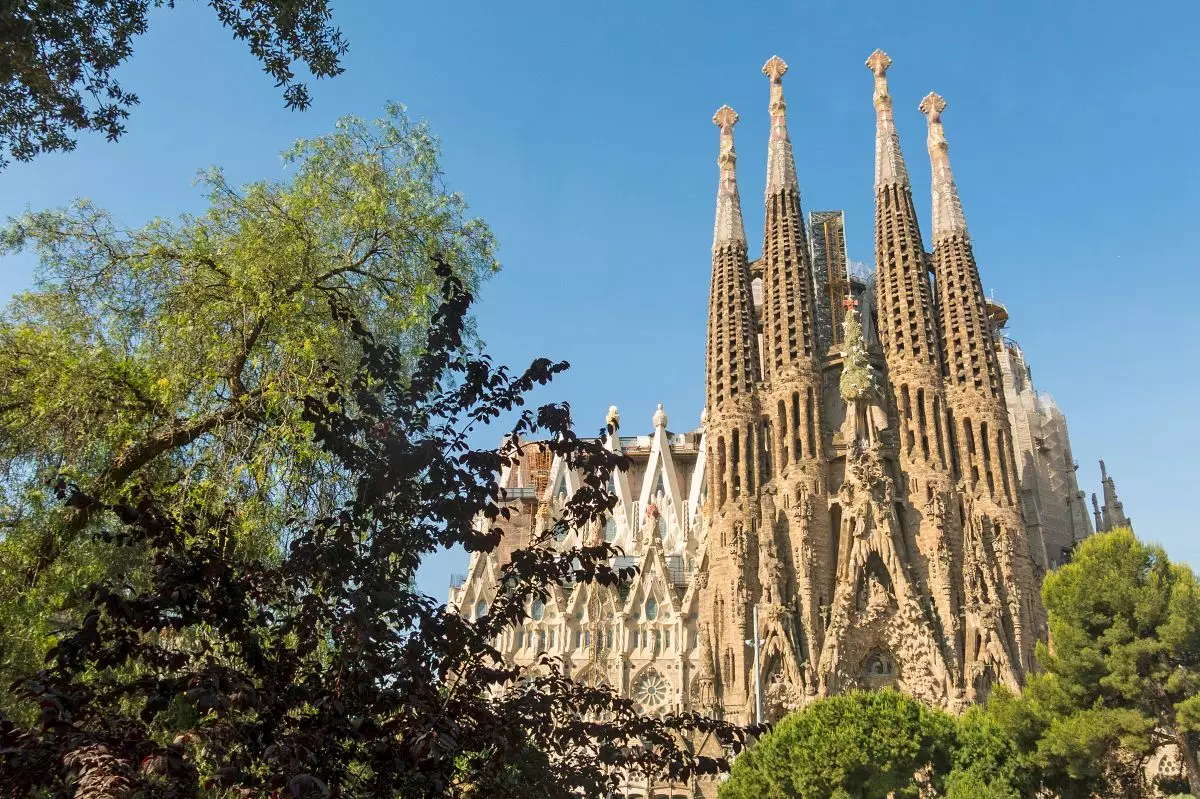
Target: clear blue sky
[(582, 133)]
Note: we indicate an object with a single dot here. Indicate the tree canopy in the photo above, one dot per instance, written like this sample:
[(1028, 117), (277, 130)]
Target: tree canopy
[(60, 57), (860, 745), (1122, 677), (324, 673), (175, 356)]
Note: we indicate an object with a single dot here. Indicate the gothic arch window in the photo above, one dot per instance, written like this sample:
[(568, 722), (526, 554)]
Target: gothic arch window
[(537, 609), (610, 529), (651, 691), (481, 609), (651, 609)]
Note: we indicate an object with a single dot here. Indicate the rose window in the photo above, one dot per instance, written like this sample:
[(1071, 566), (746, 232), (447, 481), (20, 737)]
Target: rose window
[(651, 690)]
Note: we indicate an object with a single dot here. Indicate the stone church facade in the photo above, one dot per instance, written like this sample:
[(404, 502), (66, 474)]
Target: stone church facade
[(874, 479)]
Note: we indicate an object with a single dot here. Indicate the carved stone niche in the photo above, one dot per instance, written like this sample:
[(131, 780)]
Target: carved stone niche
[(878, 670)]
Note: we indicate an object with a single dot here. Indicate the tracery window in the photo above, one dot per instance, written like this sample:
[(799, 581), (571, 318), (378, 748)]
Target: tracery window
[(651, 609), (651, 691), (537, 609)]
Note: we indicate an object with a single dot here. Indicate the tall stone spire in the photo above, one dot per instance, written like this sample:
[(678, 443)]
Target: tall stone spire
[(731, 427), (732, 340), (889, 162), (789, 316), (974, 382), (977, 416), (728, 227), (791, 391), (905, 315), (906, 323), (948, 217), (781, 163)]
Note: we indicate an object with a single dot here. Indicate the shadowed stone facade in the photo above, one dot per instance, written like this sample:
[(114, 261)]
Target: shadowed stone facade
[(871, 493)]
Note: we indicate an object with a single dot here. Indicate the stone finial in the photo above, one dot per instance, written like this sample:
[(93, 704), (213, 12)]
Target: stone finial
[(728, 228), (932, 106), (948, 216), (775, 68), (878, 62), (781, 162), (660, 417), (613, 419), (889, 162), (725, 118)]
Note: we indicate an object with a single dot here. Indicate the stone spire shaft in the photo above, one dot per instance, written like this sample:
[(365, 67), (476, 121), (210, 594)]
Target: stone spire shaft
[(789, 315), (974, 382), (781, 162), (731, 423), (889, 162), (728, 227), (905, 316), (732, 339), (948, 219), (732, 362)]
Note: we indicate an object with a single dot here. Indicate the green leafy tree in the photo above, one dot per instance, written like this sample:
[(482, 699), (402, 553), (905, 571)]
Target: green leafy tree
[(1122, 677), (325, 674), (175, 356), (60, 56), (861, 745), (987, 763), (1125, 623)]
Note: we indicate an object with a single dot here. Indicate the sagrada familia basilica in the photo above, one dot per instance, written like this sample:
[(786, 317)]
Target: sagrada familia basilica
[(875, 486)]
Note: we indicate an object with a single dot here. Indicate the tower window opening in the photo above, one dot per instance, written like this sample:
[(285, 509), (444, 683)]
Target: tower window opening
[(751, 434), (781, 415), (799, 452), (765, 436), (810, 411), (921, 419), (1002, 451), (735, 463), (937, 429), (987, 457), (721, 473)]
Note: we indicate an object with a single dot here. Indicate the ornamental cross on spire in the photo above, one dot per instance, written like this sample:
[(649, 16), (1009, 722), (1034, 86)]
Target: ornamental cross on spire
[(948, 216)]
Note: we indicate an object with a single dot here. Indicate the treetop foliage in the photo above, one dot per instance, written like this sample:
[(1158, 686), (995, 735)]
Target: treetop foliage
[(324, 673), (176, 356), (1122, 677), (60, 57), (859, 745)]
